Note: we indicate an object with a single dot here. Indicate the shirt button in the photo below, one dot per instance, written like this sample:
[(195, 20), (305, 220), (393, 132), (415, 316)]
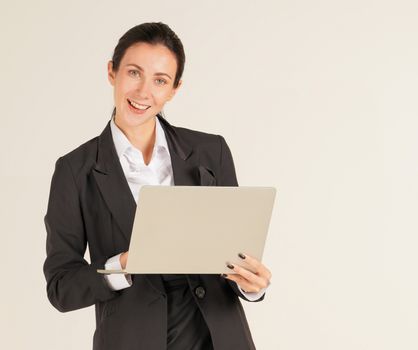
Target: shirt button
[(200, 292)]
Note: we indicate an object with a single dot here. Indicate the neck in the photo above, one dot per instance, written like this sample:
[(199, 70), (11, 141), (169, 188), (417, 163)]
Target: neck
[(141, 136)]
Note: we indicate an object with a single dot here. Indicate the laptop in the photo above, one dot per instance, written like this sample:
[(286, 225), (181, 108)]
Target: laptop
[(197, 229)]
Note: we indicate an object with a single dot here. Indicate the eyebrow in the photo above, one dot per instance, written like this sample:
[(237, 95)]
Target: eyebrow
[(141, 69)]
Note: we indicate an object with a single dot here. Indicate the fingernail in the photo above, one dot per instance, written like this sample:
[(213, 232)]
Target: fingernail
[(242, 256), (230, 266), (224, 275)]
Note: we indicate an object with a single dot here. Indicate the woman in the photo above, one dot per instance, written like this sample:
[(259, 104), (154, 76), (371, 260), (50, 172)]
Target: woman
[(92, 201)]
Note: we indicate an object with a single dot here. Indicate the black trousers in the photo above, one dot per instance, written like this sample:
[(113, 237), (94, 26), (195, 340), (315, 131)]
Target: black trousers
[(186, 328)]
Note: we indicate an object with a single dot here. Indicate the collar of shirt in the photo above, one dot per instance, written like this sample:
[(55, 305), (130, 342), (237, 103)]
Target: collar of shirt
[(123, 145)]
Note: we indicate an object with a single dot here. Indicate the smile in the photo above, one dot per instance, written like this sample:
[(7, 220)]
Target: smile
[(138, 105)]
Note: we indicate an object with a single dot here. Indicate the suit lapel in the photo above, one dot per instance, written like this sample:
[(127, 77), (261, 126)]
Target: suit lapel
[(183, 157), (184, 160), (112, 183)]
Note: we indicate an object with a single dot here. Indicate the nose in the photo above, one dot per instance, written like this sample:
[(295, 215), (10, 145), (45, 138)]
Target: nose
[(143, 89)]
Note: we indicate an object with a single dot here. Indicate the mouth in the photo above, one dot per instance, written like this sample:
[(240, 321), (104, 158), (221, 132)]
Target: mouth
[(138, 106)]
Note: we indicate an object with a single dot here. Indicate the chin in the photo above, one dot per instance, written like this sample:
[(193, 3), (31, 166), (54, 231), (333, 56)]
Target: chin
[(133, 120)]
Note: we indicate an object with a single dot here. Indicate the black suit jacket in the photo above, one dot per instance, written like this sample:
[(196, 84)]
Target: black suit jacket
[(90, 204)]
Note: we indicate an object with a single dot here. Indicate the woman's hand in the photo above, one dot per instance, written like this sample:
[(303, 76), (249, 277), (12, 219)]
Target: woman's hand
[(123, 258), (247, 280)]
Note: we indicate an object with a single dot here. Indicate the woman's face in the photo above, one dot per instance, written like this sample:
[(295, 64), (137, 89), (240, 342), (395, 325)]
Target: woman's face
[(143, 83)]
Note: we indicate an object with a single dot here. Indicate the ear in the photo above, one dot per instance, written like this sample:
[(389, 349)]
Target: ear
[(175, 90), (110, 73)]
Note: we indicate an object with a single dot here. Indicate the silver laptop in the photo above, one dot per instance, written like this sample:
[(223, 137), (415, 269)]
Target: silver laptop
[(197, 229)]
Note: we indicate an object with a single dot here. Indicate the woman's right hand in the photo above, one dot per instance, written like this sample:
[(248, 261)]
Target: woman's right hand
[(123, 258)]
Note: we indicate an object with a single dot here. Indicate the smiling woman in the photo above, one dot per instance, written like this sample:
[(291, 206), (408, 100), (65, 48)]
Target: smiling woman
[(92, 202), (145, 75)]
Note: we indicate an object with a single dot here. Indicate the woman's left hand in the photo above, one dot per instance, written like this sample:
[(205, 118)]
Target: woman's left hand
[(246, 279)]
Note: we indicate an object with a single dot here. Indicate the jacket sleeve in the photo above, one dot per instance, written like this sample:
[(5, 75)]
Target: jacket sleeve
[(229, 178), (72, 283)]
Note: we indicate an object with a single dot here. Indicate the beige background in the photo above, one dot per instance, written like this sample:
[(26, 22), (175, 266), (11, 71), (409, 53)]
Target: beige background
[(317, 98)]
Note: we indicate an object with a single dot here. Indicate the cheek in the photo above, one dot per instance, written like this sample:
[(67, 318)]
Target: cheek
[(161, 96), (124, 86)]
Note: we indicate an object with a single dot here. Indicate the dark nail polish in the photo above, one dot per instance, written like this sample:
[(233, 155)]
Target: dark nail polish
[(224, 275), (230, 266), (242, 256)]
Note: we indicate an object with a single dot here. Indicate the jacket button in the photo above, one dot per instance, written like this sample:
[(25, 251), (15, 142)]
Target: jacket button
[(200, 292)]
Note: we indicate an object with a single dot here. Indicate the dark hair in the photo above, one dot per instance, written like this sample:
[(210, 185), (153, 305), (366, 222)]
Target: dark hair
[(152, 33)]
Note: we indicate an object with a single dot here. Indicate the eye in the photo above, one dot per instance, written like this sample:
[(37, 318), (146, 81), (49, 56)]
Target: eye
[(161, 81), (133, 73)]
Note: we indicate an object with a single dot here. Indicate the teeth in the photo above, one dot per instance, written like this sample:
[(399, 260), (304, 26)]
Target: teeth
[(138, 106)]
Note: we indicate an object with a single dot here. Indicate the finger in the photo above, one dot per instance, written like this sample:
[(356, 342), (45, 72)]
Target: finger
[(243, 283), (252, 278), (258, 266)]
